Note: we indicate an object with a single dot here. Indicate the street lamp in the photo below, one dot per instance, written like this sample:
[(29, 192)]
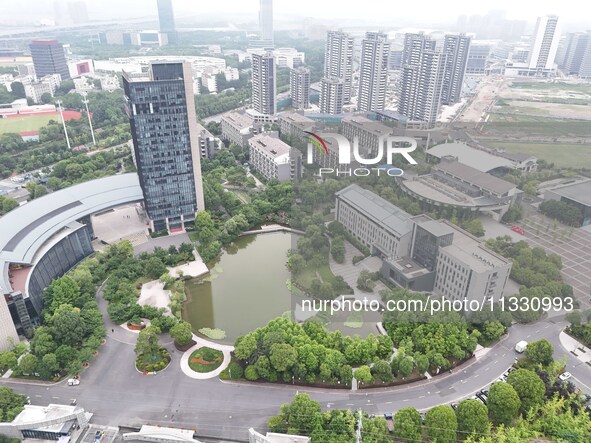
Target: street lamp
[(59, 108), (85, 101)]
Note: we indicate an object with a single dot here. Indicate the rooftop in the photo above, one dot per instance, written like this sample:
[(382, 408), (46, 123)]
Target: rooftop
[(376, 208), (471, 251), (368, 125), (24, 230), (238, 120), (475, 158), (272, 146), (168, 433), (408, 267), (578, 192), (475, 176), (436, 228)]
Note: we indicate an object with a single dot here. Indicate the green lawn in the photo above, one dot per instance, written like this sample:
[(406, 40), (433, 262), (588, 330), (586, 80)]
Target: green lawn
[(25, 124), (527, 125), (310, 273), (561, 154), (206, 360)]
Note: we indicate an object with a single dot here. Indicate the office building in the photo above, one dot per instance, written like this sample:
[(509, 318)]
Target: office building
[(419, 253), (274, 159), (373, 72), (384, 228), (288, 57), (370, 133), (166, 146), (266, 23), (49, 58), (477, 58), (44, 239), (332, 95), (423, 71), (575, 194), (45, 85), (166, 20), (264, 92), (299, 87), (457, 48), (544, 45), (238, 128), (338, 60)]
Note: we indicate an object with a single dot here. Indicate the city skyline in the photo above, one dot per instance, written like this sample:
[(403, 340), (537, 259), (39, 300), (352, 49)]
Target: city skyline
[(432, 12)]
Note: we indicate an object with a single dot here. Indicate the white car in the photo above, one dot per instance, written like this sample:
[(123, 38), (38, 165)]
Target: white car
[(73, 382), (565, 376)]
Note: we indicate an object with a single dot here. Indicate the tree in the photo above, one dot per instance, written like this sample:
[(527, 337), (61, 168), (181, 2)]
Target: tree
[(474, 227), (381, 369), (8, 204), (182, 333), (529, 387), (472, 418), (28, 364), (18, 90), (442, 424), (407, 425), (365, 281), (8, 360), (503, 403), (363, 374), (68, 326), (405, 366), (283, 356), (48, 366), (245, 346), (492, 331), (61, 291), (45, 98), (155, 268), (540, 352), (574, 317), (299, 415), (422, 363), (11, 404), (147, 342)]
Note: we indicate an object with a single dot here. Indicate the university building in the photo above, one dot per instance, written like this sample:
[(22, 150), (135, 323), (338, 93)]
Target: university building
[(421, 254)]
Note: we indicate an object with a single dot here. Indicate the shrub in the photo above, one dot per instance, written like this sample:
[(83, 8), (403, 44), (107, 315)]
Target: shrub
[(235, 371), (251, 373), (357, 259)]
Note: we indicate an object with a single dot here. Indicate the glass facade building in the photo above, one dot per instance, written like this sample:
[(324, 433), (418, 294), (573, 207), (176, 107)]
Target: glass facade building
[(49, 58), (163, 122)]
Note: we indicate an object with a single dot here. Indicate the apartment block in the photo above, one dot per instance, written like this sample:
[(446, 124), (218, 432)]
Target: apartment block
[(299, 87), (238, 128), (332, 95), (370, 133), (274, 159), (294, 124), (206, 142)]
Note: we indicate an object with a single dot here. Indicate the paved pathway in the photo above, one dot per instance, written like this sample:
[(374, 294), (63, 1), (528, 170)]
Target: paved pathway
[(576, 348), (201, 342), (350, 272)]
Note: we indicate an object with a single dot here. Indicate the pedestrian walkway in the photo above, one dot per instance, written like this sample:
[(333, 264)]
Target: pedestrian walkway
[(576, 348), (200, 343)]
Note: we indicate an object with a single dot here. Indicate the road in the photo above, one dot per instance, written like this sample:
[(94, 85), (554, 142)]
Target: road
[(117, 394)]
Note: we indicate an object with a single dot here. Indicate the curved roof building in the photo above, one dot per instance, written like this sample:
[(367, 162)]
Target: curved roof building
[(45, 238)]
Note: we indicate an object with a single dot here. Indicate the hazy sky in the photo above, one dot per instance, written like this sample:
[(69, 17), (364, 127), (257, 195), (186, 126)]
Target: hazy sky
[(425, 11)]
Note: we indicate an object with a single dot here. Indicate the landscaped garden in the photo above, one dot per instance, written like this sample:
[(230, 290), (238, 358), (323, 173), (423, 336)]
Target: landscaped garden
[(206, 360), (150, 356)]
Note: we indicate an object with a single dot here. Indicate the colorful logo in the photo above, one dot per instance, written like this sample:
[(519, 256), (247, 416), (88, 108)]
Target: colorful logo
[(318, 142)]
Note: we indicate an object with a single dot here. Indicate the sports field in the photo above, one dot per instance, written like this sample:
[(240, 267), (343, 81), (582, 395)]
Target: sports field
[(567, 155), (27, 123)]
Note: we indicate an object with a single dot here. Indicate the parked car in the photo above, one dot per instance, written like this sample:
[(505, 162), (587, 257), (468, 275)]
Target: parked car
[(565, 376), (423, 416), (73, 382), (454, 406), (483, 398)]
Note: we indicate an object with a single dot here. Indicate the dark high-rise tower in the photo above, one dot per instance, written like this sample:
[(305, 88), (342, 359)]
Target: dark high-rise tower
[(166, 19), (165, 135), (49, 58)]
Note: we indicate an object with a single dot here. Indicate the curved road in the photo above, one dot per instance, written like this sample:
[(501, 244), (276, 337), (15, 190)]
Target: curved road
[(118, 395)]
